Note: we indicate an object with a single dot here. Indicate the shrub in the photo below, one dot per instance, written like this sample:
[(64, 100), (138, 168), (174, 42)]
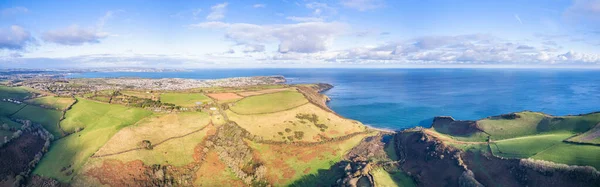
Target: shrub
[(298, 134)]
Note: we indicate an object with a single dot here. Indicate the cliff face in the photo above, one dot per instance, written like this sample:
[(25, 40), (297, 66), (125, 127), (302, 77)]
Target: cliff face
[(432, 161), (313, 94)]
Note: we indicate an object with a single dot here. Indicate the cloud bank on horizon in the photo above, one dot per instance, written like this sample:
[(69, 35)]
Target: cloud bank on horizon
[(301, 33)]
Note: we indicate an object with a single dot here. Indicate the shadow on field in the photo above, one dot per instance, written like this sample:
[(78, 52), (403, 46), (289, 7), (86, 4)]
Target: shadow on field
[(324, 177)]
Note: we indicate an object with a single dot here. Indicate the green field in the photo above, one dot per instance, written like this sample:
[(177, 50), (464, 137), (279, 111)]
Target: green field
[(572, 154), (527, 146), (8, 108), (184, 99), (19, 93), (59, 103), (269, 103), (383, 178), (157, 128), (100, 121), (592, 136), (532, 123), (47, 117), (10, 123), (5, 133)]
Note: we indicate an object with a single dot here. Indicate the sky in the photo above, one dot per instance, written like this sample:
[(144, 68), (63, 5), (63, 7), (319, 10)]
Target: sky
[(299, 33)]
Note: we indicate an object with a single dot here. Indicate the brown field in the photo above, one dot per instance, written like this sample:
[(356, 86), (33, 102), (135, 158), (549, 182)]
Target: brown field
[(259, 92), (285, 124), (224, 96), (287, 163), (213, 172)]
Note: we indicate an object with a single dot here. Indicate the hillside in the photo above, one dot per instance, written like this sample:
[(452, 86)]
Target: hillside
[(277, 135)]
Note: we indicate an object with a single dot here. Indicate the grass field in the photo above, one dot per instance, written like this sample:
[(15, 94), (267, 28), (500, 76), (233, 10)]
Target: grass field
[(531, 123), (47, 117), (59, 103), (140, 94), (527, 146), (100, 122), (268, 103), (19, 93), (572, 154), (10, 123), (184, 99), (277, 123), (157, 128), (288, 163), (5, 133), (383, 178), (8, 108), (592, 136)]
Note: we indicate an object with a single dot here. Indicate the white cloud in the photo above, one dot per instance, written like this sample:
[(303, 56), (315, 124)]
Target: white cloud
[(304, 19), (217, 11), (259, 5), (73, 35), (15, 38), (307, 37), (13, 11), (362, 5), (473, 49), (253, 48)]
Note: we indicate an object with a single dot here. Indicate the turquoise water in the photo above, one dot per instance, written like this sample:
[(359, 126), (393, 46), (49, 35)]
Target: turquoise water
[(401, 98)]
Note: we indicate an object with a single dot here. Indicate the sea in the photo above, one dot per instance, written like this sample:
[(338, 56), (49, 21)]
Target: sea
[(403, 98)]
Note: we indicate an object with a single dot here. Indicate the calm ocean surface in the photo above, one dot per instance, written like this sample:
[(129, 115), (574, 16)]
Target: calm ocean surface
[(401, 98)]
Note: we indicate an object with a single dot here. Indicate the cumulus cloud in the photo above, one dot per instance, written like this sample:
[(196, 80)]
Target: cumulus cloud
[(259, 5), (13, 11), (73, 35), (15, 38), (306, 37), (362, 5), (473, 49), (217, 11)]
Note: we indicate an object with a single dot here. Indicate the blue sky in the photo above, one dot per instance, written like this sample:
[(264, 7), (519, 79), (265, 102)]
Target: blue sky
[(287, 33)]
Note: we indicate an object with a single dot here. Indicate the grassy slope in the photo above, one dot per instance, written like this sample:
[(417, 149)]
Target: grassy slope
[(47, 117), (157, 128), (100, 121), (572, 154), (527, 146), (60, 103), (14, 92), (278, 122), (531, 123), (591, 136), (540, 136), (8, 108), (288, 163), (267, 103), (383, 178), (183, 99)]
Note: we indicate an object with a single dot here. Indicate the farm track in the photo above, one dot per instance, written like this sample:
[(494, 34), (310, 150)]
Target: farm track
[(154, 145)]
